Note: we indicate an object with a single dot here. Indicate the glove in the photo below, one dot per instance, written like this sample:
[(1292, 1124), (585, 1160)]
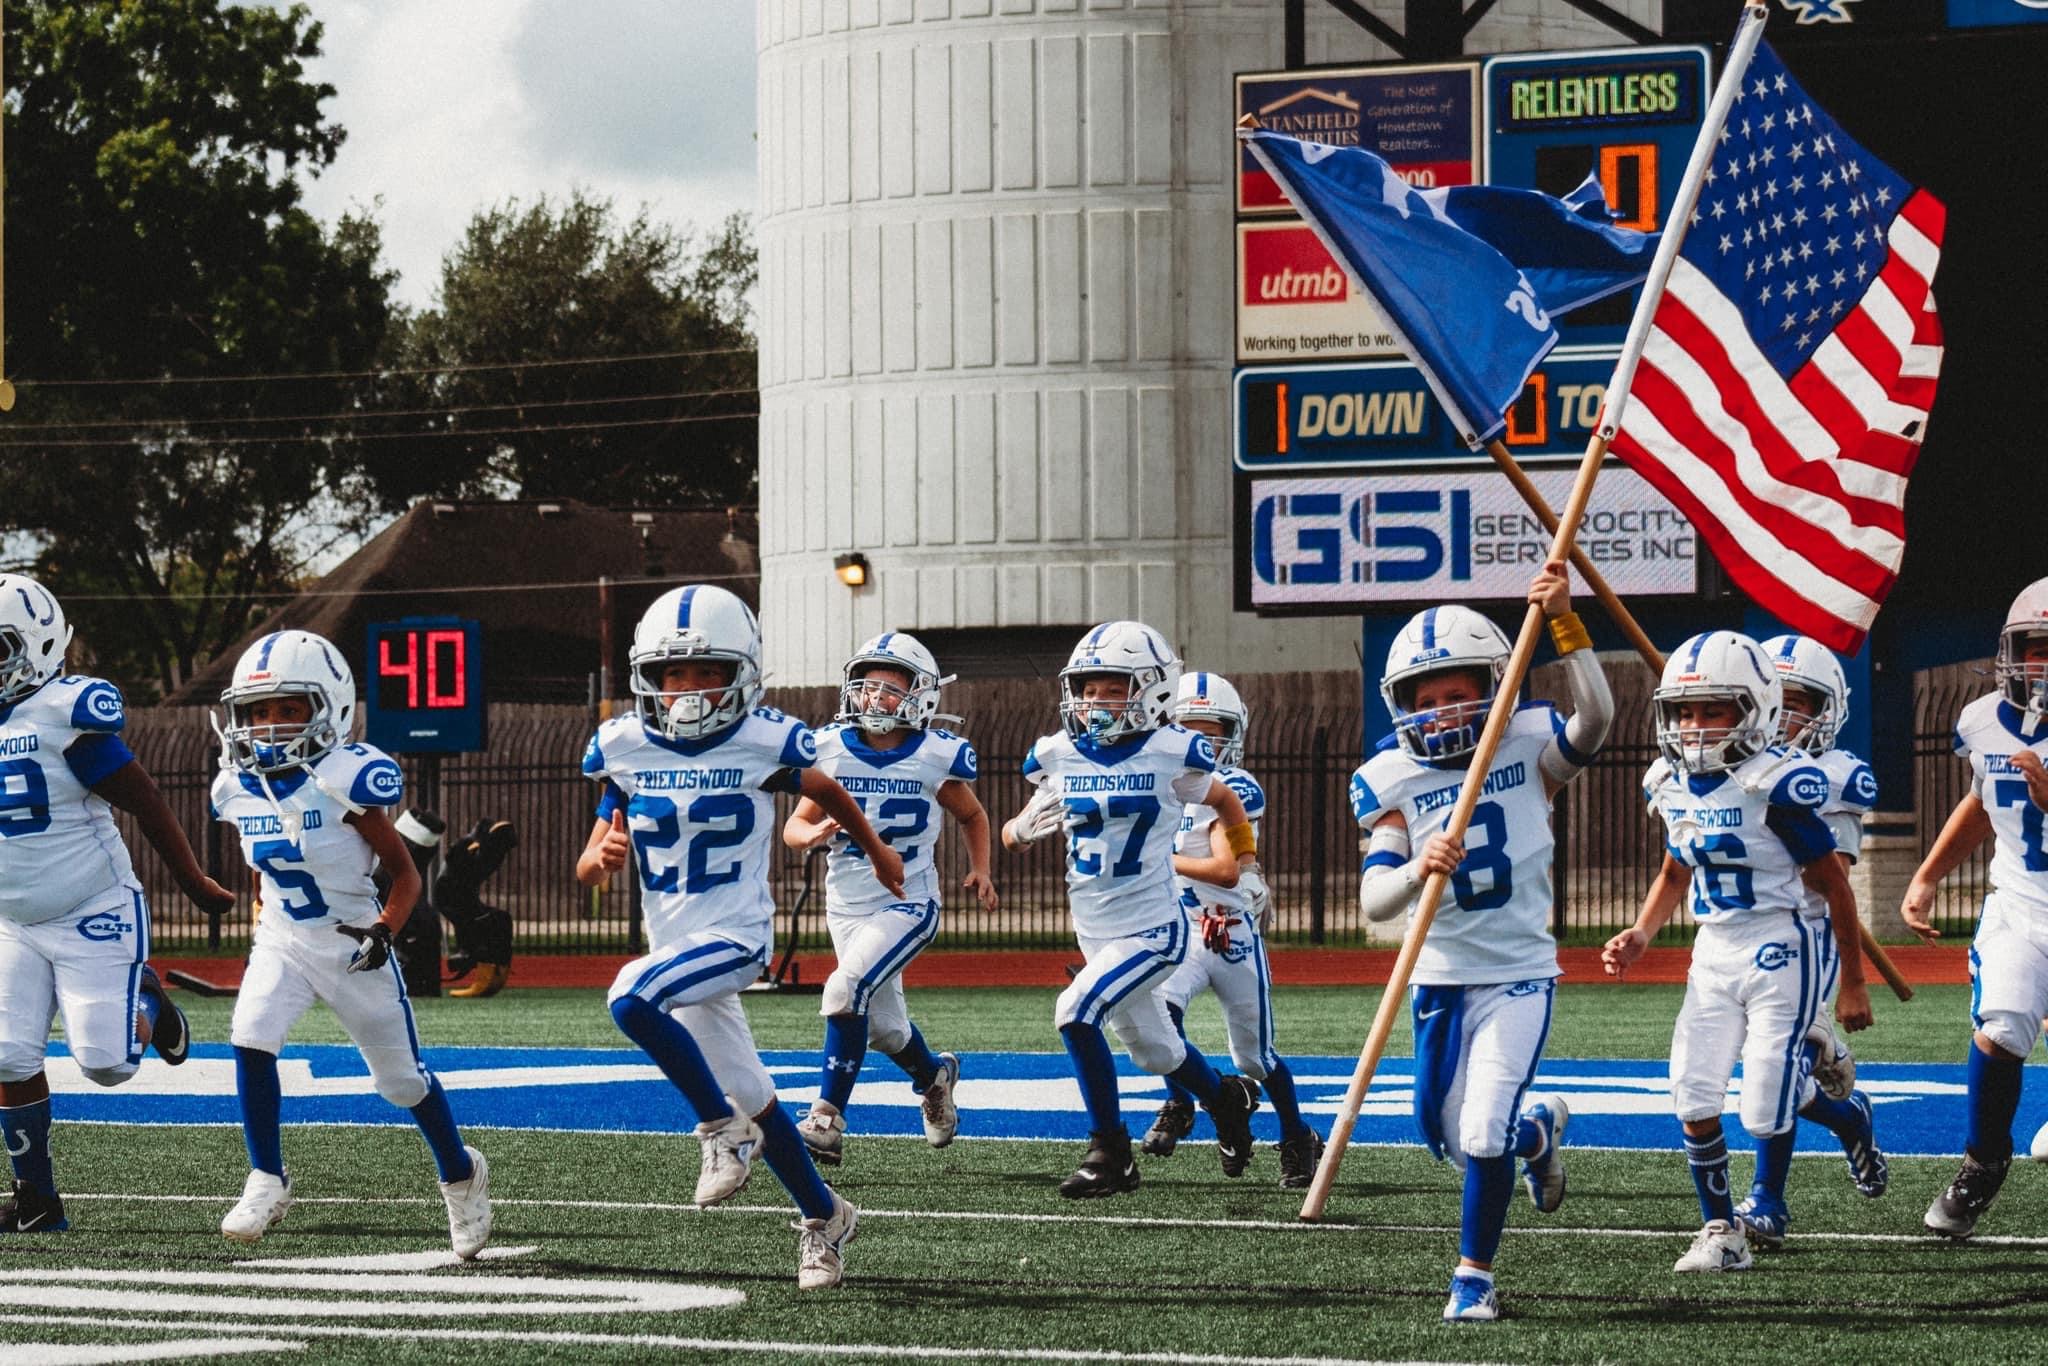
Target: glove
[(1258, 898), (1216, 931), (1043, 816), (373, 946)]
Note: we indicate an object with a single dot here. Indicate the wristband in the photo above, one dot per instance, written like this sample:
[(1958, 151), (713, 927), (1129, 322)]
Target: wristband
[(1242, 839), (1568, 633)]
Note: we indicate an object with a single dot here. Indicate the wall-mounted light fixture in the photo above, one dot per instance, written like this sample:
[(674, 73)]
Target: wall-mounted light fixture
[(852, 569)]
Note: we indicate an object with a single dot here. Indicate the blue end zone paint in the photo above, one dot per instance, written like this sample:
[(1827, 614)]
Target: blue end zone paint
[(1614, 1103)]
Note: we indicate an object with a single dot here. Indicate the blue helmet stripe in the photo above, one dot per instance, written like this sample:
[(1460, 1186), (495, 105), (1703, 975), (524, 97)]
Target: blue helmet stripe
[(263, 660), (1429, 629), (1791, 644), (1699, 642), (1095, 636), (882, 645), (683, 605)]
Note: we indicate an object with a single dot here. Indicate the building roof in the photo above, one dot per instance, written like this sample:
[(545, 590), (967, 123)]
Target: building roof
[(528, 570)]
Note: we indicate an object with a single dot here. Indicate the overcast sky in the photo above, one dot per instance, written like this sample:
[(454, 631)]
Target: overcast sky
[(451, 105)]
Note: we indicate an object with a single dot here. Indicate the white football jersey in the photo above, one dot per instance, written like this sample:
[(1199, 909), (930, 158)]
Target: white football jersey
[(1988, 733), (1493, 924), (1124, 803), (702, 818), (325, 877), (1852, 792), (1196, 840), (58, 843), (1745, 833), (898, 791)]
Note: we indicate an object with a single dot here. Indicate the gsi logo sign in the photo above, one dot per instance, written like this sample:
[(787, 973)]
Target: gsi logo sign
[(1401, 536)]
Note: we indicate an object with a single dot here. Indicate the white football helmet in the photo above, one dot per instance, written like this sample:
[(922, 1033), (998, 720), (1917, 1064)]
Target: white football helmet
[(1440, 640), (287, 664), (1803, 662), (699, 622), (1717, 666), (33, 637), (878, 707), (1209, 697), (2024, 685), (1130, 650)]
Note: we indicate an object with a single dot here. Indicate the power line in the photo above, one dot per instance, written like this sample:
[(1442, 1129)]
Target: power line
[(364, 414), (344, 438), (459, 367)]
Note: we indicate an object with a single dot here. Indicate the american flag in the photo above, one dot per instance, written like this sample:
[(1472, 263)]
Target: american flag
[(1784, 389)]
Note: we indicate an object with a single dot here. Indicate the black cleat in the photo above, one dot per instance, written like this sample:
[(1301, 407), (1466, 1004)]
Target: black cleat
[(1235, 1101), (1107, 1170), (170, 1037), (1299, 1158), (1174, 1122), (28, 1210), (1955, 1211)]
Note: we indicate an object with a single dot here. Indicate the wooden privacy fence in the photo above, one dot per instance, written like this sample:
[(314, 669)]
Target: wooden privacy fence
[(1305, 739)]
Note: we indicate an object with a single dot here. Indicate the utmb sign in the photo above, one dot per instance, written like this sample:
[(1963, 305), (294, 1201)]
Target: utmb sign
[(1381, 413)]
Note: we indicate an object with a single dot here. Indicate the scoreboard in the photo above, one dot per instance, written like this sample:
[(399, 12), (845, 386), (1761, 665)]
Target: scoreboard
[(425, 686)]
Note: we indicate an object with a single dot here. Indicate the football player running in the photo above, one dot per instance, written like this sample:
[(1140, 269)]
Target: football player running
[(2004, 735), (1115, 780), (74, 928), (688, 796), (885, 751), (1228, 909), (313, 813), (1486, 973), (1745, 834)]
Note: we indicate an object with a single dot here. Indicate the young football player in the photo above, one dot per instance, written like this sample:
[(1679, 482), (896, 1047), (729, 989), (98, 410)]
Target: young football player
[(1744, 831), (883, 749), (1227, 954), (688, 795), (74, 929), (1116, 779), (314, 815), (1487, 969), (2004, 735)]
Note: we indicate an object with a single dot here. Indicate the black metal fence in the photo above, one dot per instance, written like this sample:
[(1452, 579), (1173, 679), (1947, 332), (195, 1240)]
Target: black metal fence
[(1305, 739), (1940, 780)]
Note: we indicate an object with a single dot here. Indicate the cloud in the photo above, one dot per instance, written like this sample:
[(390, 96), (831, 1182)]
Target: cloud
[(454, 105)]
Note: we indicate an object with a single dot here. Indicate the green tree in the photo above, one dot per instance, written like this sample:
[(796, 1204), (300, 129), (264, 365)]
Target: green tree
[(566, 281), (155, 230)]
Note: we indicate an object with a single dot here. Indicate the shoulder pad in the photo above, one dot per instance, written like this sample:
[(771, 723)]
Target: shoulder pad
[(963, 764), (1535, 718), (224, 790), (1852, 782), (1373, 784), (96, 705), (1654, 778), (1803, 785), (1247, 789), (791, 741), (373, 777), (1200, 753)]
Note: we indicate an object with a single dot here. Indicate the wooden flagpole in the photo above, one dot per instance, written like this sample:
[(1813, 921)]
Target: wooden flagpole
[(1747, 35), (1618, 612)]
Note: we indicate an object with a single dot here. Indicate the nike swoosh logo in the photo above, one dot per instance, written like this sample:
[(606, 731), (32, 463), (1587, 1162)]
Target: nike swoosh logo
[(1430, 1014), (22, 1225)]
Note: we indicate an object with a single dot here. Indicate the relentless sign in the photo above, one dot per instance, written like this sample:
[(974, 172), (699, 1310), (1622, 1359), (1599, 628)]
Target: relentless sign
[(1309, 416), (1437, 537), (1294, 302), (1424, 120)]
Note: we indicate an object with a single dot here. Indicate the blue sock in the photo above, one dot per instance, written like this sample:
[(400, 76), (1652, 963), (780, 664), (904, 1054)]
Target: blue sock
[(846, 1044), (917, 1061), (1774, 1163), (1198, 1077), (1709, 1160), (437, 1123), (261, 1098), (1839, 1117), (784, 1150), (1489, 1185), (1994, 1100), (26, 1129), (1174, 1090), (1279, 1086), (674, 1052), (1096, 1071)]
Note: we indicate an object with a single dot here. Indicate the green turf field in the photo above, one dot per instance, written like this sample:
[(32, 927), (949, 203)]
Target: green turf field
[(967, 1254)]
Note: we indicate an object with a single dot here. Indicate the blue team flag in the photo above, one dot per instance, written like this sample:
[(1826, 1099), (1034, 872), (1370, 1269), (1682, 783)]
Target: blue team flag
[(1468, 278)]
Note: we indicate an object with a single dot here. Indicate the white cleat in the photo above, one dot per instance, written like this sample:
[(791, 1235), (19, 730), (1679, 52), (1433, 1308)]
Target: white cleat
[(1834, 1066), (265, 1198), (2039, 1151), (941, 1114), (469, 1208), (1720, 1246), (729, 1146), (821, 1245), (823, 1130)]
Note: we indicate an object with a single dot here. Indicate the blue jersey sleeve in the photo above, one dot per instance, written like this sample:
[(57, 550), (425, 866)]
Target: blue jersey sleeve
[(378, 783), (966, 765), (593, 757), (799, 748), (1805, 787), (1365, 803), (1201, 754), (1249, 792), (1806, 836), (98, 708), (1861, 789), (97, 756), (609, 800), (1032, 768)]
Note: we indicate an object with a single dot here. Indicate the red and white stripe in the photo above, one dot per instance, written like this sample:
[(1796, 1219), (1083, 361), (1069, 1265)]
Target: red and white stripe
[(1798, 487)]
